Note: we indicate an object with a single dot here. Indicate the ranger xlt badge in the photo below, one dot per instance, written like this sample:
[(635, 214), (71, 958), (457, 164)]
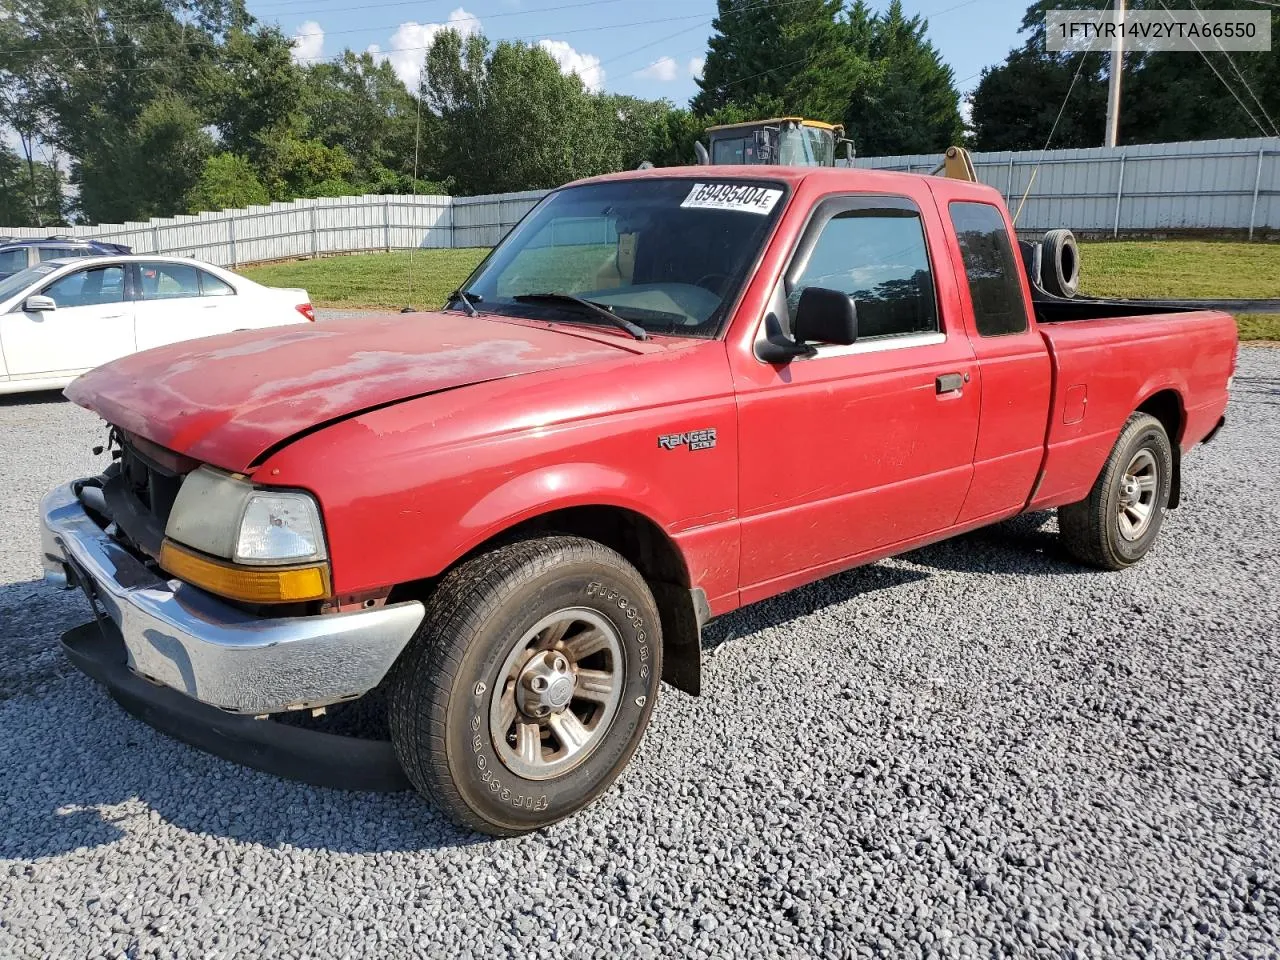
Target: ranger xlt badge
[(693, 439)]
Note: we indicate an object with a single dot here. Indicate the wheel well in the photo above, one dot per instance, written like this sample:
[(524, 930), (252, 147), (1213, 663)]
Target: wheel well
[(1166, 406), (644, 545)]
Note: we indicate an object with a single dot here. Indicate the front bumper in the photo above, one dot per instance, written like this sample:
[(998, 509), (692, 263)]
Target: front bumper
[(186, 639)]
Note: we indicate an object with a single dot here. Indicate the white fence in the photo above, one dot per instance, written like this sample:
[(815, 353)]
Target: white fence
[(1213, 185), (309, 228)]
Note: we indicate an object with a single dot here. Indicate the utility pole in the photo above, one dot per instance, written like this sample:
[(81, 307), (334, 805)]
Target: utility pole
[(1117, 68)]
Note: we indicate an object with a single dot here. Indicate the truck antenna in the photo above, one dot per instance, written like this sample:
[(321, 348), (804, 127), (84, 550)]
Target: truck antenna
[(417, 139)]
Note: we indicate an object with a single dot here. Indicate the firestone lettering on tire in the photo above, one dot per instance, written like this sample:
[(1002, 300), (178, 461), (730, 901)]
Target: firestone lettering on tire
[(518, 800), (610, 595)]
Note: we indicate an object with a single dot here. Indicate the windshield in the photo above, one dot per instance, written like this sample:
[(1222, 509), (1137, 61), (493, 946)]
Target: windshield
[(668, 255), (25, 278)]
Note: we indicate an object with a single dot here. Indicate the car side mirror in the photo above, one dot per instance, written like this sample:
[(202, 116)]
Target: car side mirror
[(822, 316), (825, 316), (39, 304)]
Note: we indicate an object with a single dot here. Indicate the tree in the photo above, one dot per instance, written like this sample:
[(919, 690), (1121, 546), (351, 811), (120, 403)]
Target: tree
[(294, 167), (877, 74), (30, 191), (1015, 104), (779, 56), (227, 181), (256, 89), (362, 106), (907, 102), (510, 120)]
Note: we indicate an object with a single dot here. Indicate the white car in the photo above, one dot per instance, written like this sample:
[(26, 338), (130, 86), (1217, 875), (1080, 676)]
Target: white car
[(63, 317)]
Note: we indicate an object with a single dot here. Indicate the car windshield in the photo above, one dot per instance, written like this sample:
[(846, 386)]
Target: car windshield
[(667, 255), (23, 279)]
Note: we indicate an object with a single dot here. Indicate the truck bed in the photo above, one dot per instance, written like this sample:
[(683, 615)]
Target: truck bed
[(1108, 362)]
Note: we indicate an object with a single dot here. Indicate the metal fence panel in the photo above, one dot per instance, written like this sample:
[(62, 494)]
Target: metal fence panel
[(1203, 185), (1151, 187)]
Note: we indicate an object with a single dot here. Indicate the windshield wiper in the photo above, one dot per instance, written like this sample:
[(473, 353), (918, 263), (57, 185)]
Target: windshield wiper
[(468, 301), (596, 309)]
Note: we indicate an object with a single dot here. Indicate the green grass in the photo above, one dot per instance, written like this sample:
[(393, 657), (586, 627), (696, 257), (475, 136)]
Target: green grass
[(1169, 269), (1196, 269), (1259, 326), (374, 279), (1165, 269)]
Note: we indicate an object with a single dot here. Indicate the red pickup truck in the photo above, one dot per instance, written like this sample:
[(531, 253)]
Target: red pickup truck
[(665, 394)]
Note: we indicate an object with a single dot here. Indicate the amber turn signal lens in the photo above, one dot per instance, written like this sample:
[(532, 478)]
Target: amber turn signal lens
[(250, 584)]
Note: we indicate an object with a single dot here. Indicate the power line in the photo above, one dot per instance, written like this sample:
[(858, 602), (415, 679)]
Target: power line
[(1239, 74), (1225, 83), (1052, 130)]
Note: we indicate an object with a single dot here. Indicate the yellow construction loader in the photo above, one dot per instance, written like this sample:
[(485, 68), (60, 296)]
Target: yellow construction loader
[(784, 141)]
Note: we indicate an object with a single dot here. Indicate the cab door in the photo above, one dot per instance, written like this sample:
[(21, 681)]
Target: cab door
[(1013, 361), (92, 323), (858, 447)]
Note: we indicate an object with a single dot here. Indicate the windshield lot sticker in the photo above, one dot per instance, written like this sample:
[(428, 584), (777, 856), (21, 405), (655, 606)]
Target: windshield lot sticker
[(731, 196), (693, 439)]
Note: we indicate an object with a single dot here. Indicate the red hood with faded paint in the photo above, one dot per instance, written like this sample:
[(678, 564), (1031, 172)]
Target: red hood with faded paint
[(225, 400)]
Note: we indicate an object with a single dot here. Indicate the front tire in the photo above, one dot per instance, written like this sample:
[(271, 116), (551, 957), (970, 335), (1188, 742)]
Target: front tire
[(1116, 525), (528, 685)]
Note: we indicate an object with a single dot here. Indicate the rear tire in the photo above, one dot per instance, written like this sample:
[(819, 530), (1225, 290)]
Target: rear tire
[(1116, 525), (528, 685)]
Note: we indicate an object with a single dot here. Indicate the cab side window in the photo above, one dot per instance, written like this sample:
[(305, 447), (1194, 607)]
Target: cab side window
[(168, 281), (879, 258), (88, 288), (991, 268)]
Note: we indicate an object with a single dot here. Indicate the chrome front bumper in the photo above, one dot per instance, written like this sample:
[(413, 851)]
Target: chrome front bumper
[(184, 638)]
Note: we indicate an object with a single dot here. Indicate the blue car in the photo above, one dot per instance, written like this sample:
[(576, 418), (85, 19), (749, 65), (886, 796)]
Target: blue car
[(18, 253)]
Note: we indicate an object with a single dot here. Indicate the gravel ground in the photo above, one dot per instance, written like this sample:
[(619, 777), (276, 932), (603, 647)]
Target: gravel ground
[(975, 750)]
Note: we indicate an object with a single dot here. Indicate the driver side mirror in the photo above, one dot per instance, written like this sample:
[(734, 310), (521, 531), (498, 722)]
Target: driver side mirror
[(822, 316), (825, 316), (39, 304)]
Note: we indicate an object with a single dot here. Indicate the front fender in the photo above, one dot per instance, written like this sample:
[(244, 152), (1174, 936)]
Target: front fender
[(548, 489)]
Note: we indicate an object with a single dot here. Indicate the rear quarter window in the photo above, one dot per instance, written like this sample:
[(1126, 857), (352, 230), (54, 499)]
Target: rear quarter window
[(991, 269)]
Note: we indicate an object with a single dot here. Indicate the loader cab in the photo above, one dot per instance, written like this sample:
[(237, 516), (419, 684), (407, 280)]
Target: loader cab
[(784, 141)]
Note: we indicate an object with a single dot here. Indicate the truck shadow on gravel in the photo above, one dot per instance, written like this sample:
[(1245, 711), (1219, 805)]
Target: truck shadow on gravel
[(1027, 545), (82, 773)]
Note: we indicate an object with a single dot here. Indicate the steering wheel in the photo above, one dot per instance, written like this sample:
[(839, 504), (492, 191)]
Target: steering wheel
[(705, 280)]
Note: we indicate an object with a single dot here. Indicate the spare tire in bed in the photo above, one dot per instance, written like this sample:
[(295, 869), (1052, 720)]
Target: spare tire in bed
[(1060, 263)]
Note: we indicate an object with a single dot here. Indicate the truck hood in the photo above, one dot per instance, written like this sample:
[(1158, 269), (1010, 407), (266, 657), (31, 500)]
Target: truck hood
[(226, 400)]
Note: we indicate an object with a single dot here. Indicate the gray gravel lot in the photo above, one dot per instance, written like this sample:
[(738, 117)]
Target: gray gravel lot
[(975, 750)]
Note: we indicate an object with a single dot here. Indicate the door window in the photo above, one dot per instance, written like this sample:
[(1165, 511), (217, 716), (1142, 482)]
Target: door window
[(211, 286), (880, 259), (87, 288), (991, 269), (168, 281), (12, 261)]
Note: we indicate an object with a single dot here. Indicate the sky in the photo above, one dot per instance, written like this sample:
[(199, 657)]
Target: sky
[(646, 48)]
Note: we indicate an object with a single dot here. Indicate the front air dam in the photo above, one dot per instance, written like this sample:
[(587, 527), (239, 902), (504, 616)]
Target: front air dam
[(308, 756)]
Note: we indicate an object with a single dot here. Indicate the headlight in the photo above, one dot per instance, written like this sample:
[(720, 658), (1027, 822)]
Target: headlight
[(279, 528), (238, 541)]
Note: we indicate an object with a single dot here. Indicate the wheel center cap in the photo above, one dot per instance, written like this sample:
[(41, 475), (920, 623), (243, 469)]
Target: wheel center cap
[(560, 691), (546, 685)]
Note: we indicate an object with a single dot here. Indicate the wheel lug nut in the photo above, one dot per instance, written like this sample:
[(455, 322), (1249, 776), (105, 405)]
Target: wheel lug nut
[(539, 683), (561, 665)]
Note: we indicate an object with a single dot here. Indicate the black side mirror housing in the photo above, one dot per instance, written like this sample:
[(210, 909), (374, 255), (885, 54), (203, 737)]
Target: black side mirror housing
[(825, 316), (822, 316)]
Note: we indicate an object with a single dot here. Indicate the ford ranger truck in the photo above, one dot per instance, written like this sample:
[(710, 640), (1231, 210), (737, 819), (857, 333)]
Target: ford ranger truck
[(666, 394)]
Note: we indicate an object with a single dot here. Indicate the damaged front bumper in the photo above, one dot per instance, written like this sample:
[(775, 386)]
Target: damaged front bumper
[(190, 641)]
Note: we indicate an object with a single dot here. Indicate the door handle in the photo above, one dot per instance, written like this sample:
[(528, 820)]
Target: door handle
[(950, 383)]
